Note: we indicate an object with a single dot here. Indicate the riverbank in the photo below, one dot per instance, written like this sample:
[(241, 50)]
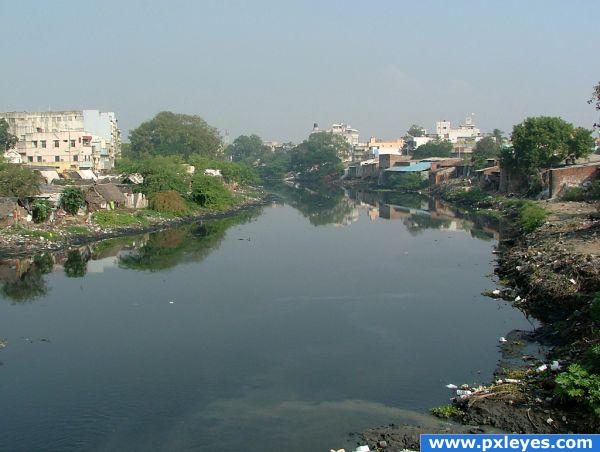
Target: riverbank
[(546, 381), (21, 241)]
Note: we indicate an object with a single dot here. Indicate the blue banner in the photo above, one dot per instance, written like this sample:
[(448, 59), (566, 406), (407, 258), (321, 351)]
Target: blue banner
[(509, 442)]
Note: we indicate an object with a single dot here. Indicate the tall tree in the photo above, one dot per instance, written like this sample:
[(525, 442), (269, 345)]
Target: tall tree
[(17, 180), (175, 134), (433, 149), (487, 148), (7, 139), (319, 155), (248, 149), (595, 100), (416, 131), (544, 141)]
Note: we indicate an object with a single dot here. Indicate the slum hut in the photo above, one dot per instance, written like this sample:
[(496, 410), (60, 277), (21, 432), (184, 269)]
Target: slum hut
[(104, 197), (420, 168)]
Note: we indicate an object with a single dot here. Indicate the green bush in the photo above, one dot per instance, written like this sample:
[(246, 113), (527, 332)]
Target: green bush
[(168, 201), (531, 216), (40, 210), (573, 194), (581, 386), (208, 191), (446, 411), (595, 308), (593, 191), (71, 200), (406, 181)]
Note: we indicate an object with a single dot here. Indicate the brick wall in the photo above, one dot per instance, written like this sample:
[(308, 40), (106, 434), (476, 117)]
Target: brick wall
[(570, 176)]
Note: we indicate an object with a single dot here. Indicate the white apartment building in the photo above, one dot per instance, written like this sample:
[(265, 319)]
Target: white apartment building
[(73, 139), (380, 147), (445, 131), (350, 134)]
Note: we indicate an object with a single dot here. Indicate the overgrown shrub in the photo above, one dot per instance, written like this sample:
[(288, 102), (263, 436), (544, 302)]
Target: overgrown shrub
[(581, 386), (168, 201), (573, 194), (446, 411), (71, 200), (595, 308), (208, 191), (406, 181), (531, 216), (40, 210)]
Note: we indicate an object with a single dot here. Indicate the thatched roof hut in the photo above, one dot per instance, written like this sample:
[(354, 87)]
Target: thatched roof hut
[(104, 196)]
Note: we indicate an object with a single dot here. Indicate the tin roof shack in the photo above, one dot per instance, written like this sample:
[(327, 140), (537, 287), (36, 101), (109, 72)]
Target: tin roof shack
[(488, 178), (104, 197), (388, 160), (11, 212), (407, 175), (368, 169)]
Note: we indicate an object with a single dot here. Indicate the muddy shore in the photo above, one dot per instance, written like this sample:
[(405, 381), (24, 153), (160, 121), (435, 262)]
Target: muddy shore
[(551, 274), (13, 245)]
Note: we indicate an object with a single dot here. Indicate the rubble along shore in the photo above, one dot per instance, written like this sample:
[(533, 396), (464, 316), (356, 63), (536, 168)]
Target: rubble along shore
[(58, 238), (551, 274)]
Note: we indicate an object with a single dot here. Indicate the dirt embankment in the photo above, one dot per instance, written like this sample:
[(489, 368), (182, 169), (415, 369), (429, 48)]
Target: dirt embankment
[(551, 274), (51, 238)]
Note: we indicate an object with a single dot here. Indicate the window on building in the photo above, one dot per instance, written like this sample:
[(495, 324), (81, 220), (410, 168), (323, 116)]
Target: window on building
[(57, 158), (39, 158), (43, 143), (38, 129), (56, 143), (72, 143), (30, 158), (34, 143), (75, 158)]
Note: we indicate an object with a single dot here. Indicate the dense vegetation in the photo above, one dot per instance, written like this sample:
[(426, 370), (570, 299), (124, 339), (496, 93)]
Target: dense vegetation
[(433, 149), (7, 139), (18, 181), (543, 142), (175, 134)]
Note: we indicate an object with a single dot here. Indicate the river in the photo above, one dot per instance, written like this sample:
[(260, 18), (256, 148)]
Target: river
[(283, 328)]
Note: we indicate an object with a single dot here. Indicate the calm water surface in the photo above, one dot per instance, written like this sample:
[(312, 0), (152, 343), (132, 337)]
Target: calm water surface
[(284, 328)]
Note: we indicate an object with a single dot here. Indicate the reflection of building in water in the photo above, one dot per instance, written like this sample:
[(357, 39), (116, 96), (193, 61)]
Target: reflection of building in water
[(99, 265)]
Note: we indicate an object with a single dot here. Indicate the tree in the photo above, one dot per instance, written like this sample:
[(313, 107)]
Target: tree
[(595, 100), (209, 191), (248, 149), (319, 155), (416, 131), (71, 200), (433, 149), (17, 180), (543, 142), (160, 173), (7, 139), (175, 134), (486, 148)]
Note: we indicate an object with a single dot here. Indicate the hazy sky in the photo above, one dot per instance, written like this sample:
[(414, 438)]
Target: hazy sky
[(275, 67)]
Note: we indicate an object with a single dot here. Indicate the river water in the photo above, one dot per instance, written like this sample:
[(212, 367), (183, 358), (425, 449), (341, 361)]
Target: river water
[(283, 328)]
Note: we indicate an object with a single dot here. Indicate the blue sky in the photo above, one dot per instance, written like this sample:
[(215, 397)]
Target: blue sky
[(275, 67)]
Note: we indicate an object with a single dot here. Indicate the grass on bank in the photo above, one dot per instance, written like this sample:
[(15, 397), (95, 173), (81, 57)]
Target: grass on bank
[(34, 233), (446, 411), (119, 219)]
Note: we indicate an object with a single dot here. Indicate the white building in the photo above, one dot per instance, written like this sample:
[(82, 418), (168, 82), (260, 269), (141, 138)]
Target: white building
[(379, 147), (445, 131), (350, 134), (73, 139)]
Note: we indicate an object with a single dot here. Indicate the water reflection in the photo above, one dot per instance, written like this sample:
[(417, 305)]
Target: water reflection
[(335, 206), (23, 279)]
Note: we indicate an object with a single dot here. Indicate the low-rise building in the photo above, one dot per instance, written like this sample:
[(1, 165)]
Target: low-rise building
[(71, 139), (467, 129), (379, 147)]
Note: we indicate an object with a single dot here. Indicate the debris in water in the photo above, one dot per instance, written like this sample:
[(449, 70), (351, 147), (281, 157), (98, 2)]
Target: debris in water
[(542, 368), (171, 302), (555, 365), (502, 340), (573, 281), (451, 386), (362, 449), (463, 392)]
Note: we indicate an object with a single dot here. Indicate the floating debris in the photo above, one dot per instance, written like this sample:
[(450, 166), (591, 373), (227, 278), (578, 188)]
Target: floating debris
[(451, 386)]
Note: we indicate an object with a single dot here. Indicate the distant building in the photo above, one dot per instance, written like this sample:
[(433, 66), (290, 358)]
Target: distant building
[(445, 131), (72, 139), (350, 134), (380, 147)]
